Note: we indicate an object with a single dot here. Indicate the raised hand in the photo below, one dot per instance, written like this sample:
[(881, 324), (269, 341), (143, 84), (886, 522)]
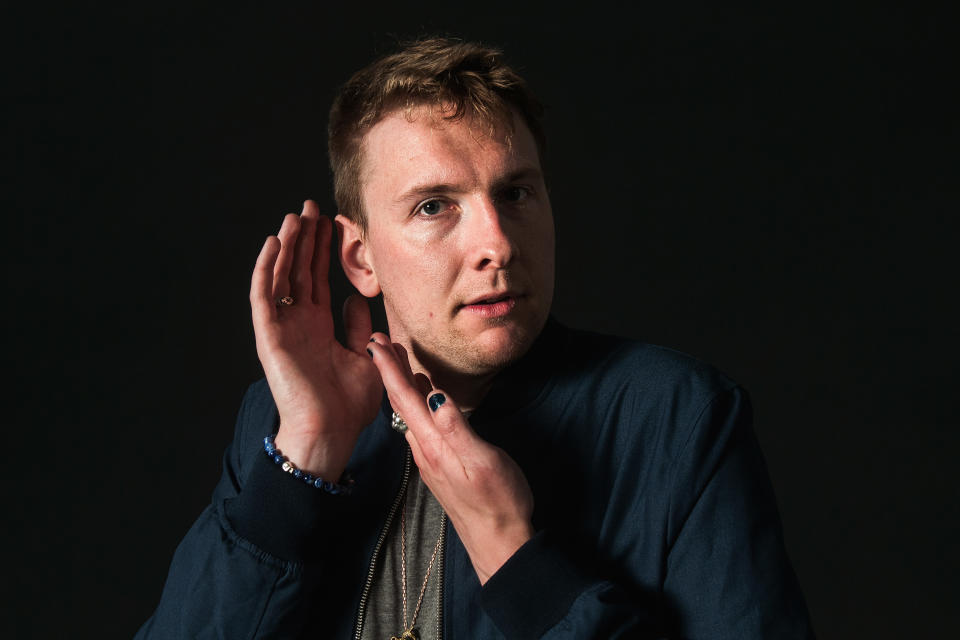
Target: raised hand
[(481, 488), (325, 392)]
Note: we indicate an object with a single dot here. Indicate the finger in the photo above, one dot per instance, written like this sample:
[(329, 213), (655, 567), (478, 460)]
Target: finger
[(404, 396), (301, 276), (356, 322), (399, 352), (288, 239), (417, 451), (441, 427), (449, 422), (448, 443), (320, 264), (407, 397), (383, 339), (262, 303)]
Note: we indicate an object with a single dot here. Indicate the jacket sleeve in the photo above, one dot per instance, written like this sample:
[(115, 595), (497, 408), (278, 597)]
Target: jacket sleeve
[(245, 569), (725, 572)]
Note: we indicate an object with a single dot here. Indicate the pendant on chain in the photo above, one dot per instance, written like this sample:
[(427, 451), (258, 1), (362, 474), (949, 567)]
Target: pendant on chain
[(409, 634)]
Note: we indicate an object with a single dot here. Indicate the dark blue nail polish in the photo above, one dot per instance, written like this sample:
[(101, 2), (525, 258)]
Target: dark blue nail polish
[(370, 352), (436, 400), (373, 339)]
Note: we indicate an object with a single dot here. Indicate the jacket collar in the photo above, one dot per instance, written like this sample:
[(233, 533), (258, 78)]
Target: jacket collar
[(522, 382)]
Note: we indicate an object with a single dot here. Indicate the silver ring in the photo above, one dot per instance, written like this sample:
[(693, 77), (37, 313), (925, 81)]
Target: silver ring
[(398, 424), (285, 301)]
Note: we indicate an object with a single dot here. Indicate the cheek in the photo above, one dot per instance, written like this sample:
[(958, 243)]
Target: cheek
[(438, 268), (420, 282), (541, 240), (545, 253)]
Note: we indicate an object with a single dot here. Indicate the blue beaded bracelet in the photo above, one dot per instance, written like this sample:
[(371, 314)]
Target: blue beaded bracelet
[(315, 481)]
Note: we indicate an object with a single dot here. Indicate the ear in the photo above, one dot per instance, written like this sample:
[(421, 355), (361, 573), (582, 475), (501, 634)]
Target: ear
[(353, 257)]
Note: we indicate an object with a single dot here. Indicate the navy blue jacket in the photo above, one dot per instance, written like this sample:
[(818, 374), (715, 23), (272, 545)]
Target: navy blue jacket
[(654, 512)]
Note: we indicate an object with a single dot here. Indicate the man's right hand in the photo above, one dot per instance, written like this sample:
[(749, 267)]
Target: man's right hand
[(325, 393)]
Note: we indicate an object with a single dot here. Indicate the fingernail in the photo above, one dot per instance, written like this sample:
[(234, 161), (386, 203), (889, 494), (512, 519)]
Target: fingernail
[(436, 400), (370, 352), (373, 339)]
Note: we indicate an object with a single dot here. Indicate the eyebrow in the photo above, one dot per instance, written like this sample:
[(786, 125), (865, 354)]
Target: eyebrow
[(420, 191)]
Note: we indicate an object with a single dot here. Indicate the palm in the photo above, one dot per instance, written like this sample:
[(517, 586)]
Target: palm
[(325, 392), (313, 377)]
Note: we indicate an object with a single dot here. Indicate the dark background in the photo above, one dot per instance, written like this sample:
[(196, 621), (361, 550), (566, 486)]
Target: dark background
[(772, 191)]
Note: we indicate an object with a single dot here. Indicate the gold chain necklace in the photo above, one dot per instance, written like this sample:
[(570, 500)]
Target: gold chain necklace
[(411, 633)]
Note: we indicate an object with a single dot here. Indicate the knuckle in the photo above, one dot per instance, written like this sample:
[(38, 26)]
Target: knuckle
[(430, 453), (446, 424), (446, 427), (483, 476)]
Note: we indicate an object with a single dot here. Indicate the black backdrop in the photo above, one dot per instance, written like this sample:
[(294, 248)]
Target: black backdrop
[(773, 192)]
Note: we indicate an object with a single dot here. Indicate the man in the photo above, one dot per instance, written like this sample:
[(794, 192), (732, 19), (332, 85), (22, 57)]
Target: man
[(537, 481)]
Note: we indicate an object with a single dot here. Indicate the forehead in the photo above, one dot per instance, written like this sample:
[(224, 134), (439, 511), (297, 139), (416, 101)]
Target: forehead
[(408, 149)]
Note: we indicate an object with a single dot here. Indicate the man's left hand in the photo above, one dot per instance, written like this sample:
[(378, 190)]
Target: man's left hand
[(480, 487)]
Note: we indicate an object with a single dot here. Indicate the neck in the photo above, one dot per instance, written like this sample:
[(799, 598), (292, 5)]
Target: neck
[(466, 392)]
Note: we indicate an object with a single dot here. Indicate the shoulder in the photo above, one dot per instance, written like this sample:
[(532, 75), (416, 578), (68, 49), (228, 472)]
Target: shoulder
[(639, 372), (656, 413), (642, 405)]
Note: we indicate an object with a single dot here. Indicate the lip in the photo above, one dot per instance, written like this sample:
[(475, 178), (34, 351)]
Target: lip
[(493, 296), (492, 305)]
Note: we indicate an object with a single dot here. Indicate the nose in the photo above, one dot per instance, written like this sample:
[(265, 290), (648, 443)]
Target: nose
[(489, 237)]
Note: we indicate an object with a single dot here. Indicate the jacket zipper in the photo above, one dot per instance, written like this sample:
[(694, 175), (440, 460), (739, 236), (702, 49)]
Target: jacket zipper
[(442, 553), (376, 550)]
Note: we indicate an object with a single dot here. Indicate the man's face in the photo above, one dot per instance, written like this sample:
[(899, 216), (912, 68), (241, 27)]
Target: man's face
[(460, 238)]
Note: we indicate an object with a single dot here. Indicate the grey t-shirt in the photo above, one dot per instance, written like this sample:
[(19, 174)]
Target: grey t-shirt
[(424, 522)]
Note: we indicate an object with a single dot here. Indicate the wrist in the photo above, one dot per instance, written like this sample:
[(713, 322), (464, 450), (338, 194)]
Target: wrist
[(497, 549), (319, 482), (314, 453)]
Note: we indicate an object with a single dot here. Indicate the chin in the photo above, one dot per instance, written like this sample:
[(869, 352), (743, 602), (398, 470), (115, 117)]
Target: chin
[(498, 347), (479, 349)]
